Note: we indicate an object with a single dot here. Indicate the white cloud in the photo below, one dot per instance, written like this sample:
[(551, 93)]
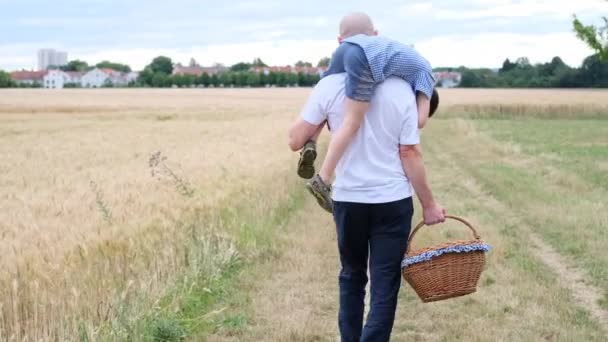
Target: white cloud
[(491, 49), (41, 22), (415, 8), (524, 8)]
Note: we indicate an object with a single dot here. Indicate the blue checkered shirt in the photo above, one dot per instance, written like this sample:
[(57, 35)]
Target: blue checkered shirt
[(387, 58)]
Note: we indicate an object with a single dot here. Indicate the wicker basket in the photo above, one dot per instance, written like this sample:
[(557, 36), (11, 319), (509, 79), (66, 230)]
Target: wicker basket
[(448, 270)]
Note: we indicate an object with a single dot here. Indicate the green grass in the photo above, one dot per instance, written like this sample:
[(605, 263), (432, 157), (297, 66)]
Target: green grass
[(519, 297), (218, 248), (199, 306), (550, 176), (575, 145)]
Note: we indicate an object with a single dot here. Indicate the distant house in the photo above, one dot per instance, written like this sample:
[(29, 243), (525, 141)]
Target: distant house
[(196, 70), (104, 77), (75, 77), (132, 77), (28, 77), (214, 70), (55, 79), (447, 79)]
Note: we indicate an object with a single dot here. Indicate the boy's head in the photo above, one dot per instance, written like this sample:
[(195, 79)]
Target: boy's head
[(356, 23), (434, 102)]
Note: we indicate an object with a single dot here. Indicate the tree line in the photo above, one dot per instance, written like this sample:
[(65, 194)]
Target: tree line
[(519, 73), (554, 74), (159, 74)]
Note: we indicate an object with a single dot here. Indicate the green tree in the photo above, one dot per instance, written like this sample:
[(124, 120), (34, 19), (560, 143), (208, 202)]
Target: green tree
[(189, 80), (281, 79), (145, 76), (75, 65), (324, 62), (204, 79), (302, 64), (272, 78), (253, 79), (594, 72), (225, 79), (162, 64), (507, 66), (257, 62), (596, 37), (470, 79), (5, 80), (161, 80), (291, 79), (114, 66), (240, 79), (240, 67), (214, 80), (178, 80)]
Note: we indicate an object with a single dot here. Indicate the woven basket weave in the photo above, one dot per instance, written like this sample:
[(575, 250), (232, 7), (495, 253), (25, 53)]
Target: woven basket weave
[(447, 275)]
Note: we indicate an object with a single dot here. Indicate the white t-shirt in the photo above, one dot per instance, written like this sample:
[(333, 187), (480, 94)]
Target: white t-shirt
[(370, 170)]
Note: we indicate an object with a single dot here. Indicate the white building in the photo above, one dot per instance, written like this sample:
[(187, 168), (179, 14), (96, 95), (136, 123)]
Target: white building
[(57, 79), (98, 78), (51, 57), (75, 77), (132, 77), (447, 79)]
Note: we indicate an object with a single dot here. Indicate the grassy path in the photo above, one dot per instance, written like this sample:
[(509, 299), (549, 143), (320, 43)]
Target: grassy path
[(530, 290), (294, 297)]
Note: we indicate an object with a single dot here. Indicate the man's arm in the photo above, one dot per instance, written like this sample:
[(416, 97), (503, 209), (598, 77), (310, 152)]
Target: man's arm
[(312, 117), (301, 132), (413, 166)]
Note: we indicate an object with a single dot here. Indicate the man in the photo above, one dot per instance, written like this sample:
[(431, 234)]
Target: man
[(372, 197)]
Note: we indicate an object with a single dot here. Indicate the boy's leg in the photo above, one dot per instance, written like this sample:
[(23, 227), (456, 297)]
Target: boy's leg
[(359, 87), (389, 229), (308, 154), (352, 233)]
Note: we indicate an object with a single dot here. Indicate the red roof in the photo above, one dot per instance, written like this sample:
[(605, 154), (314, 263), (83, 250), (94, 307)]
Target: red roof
[(110, 72), (28, 75), (193, 71), (75, 73)]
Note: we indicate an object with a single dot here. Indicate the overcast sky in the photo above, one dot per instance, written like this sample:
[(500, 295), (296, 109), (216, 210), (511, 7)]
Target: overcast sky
[(474, 33)]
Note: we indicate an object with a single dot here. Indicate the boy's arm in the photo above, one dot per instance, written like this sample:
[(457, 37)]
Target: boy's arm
[(423, 103), (413, 166)]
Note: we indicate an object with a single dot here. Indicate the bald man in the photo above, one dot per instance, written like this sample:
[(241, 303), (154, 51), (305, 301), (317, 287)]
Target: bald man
[(367, 60), (373, 205)]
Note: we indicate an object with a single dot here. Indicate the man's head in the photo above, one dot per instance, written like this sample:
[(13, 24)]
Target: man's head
[(356, 23), (434, 102)]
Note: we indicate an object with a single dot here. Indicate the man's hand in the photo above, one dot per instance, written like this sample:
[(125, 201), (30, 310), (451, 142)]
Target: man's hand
[(433, 214), (413, 166)]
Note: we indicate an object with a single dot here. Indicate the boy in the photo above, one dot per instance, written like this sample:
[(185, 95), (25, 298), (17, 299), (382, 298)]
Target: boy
[(367, 60)]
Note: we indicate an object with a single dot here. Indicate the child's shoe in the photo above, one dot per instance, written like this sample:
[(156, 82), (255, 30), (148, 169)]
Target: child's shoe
[(322, 193), (306, 164)]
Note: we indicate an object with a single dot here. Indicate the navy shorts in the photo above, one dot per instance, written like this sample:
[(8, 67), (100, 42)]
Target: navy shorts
[(350, 58)]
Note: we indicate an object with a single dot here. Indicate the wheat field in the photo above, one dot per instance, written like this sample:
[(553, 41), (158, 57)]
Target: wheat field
[(111, 197)]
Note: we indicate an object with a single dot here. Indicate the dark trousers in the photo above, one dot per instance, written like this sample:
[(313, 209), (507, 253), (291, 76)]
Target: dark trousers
[(378, 233)]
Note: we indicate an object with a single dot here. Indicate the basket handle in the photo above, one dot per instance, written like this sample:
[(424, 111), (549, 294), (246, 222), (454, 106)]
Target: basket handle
[(421, 224)]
